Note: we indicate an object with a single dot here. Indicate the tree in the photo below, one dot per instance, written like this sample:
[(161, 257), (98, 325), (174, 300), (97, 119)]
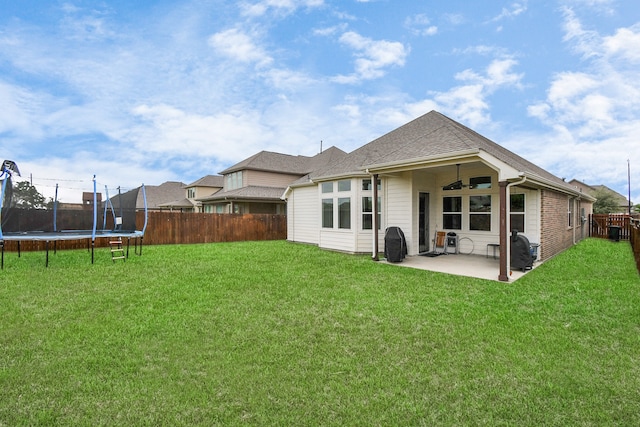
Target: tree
[(26, 196), (606, 202)]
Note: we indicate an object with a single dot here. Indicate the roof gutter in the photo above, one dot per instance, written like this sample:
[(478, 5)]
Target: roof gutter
[(555, 186)]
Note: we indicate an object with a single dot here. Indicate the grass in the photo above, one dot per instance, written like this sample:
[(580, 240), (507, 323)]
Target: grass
[(273, 333)]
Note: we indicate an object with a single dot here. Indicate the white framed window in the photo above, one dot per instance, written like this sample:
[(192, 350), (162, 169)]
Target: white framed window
[(366, 185), (234, 180), (517, 213), (570, 212), (191, 193), (336, 204), (480, 213), (452, 213), (367, 213), (344, 185), (344, 212), (327, 213), (480, 182)]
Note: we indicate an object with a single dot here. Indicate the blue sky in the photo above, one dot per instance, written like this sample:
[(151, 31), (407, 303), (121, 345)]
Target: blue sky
[(150, 91)]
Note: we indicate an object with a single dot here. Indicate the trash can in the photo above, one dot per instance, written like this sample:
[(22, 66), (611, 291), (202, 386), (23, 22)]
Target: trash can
[(614, 233)]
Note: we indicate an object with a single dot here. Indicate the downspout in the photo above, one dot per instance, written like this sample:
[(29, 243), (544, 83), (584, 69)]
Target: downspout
[(285, 197), (573, 220), (505, 241), (374, 182)]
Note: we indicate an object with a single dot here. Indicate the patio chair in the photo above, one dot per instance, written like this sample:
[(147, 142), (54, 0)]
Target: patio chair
[(440, 243)]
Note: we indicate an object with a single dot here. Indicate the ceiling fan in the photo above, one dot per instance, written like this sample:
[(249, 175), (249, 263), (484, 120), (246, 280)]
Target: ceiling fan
[(456, 185)]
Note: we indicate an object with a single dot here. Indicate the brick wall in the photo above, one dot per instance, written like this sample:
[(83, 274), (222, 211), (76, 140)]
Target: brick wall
[(556, 235)]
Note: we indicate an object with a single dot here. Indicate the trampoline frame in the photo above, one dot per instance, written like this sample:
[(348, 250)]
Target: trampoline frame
[(59, 235)]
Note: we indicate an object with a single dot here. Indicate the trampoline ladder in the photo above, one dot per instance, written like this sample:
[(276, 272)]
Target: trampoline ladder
[(117, 250)]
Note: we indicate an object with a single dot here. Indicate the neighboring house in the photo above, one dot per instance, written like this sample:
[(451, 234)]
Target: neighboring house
[(256, 184), (156, 195), (203, 187), (434, 174), (621, 201)]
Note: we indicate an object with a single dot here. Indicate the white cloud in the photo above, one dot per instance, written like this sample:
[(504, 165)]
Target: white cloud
[(227, 136), (498, 74), (284, 7), (591, 113), (240, 46), (584, 42), (329, 31), (16, 110), (372, 56), (420, 25), (515, 9), (469, 102), (625, 43)]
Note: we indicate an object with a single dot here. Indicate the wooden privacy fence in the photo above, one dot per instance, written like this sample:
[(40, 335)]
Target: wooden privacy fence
[(175, 227), (180, 227), (629, 228), (600, 225), (635, 240)]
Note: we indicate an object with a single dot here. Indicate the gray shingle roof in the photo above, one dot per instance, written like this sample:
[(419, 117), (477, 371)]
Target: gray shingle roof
[(182, 203), (156, 194), (432, 134), (251, 192), (208, 181), (285, 163), (159, 194)]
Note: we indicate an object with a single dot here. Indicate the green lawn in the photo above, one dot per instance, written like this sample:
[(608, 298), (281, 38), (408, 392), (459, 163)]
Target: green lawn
[(274, 333)]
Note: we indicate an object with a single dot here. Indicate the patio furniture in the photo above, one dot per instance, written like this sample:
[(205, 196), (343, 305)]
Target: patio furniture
[(494, 246), (440, 243)]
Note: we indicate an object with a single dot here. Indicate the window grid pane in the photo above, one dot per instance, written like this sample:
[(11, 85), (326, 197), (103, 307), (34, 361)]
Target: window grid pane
[(327, 213), (344, 185), (344, 212), (452, 213)]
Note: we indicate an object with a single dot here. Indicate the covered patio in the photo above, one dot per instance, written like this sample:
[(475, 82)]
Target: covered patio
[(476, 266)]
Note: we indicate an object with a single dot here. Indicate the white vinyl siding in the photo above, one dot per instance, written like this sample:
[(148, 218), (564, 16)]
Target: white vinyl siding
[(397, 207), (302, 225)]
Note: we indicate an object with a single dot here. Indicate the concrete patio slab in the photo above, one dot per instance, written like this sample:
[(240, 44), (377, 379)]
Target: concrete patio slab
[(476, 266)]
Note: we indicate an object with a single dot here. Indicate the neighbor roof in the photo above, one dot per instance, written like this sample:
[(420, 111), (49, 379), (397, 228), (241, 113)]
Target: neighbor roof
[(208, 181), (285, 163), (156, 195), (251, 192)]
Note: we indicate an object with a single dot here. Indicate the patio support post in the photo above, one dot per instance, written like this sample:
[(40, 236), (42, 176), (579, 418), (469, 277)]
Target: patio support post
[(374, 182), (503, 277)]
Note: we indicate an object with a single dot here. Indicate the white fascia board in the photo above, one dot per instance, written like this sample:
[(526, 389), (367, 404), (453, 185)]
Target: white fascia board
[(348, 175), (505, 171), (420, 162)]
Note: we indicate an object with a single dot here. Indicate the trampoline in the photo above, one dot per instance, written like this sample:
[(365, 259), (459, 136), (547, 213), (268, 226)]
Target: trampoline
[(115, 218)]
